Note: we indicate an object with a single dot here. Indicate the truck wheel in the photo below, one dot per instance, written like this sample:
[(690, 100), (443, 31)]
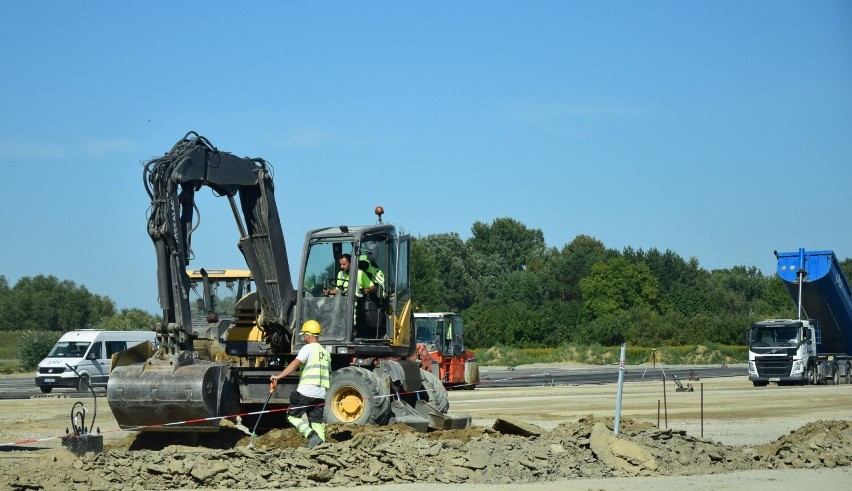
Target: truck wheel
[(810, 375), (835, 375), (758, 383), (46, 390), (356, 396), (436, 393), (849, 373), (83, 383)]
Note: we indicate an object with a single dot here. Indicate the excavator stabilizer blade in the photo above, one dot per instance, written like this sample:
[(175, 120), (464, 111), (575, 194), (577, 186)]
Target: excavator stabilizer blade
[(155, 396)]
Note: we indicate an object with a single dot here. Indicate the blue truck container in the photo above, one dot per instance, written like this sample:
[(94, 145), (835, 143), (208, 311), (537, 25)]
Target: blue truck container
[(826, 296)]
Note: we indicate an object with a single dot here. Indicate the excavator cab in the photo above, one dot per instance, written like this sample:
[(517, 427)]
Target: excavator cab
[(351, 317)]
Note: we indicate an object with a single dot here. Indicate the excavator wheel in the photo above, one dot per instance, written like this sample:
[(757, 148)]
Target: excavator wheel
[(436, 393), (356, 396)]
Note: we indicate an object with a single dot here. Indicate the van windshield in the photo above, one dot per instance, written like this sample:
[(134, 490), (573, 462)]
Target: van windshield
[(66, 349)]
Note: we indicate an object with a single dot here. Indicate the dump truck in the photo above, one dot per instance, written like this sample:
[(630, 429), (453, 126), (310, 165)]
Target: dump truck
[(441, 350), (198, 375), (815, 347)]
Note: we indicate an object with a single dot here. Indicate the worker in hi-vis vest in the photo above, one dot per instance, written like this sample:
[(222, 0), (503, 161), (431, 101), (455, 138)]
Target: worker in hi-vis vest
[(309, 396)]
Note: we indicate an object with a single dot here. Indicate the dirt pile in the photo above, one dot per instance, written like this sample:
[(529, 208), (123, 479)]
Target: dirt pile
[(397, 454)]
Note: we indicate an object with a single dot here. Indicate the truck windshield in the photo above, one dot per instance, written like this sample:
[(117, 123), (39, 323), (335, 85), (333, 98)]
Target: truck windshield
[(66, 349), (774, 336)]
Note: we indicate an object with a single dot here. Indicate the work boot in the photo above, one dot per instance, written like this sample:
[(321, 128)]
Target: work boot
[(313, 440)]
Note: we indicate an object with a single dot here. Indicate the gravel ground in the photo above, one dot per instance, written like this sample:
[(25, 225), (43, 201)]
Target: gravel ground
[(746, 438)]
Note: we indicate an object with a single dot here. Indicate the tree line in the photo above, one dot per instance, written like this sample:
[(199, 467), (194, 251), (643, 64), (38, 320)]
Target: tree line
[(511, 289), (514, 290), (44, 303)]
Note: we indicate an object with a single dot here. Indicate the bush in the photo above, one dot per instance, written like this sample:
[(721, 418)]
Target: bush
[(34, 346), (8, 367)]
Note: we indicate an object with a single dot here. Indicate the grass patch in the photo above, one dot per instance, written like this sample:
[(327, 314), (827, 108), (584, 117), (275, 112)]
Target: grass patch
[(9, 360), (595, 354), (8, 367)]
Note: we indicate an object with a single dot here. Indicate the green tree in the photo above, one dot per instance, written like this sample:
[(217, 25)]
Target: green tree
[(441, 266), (846, 266), (5, 302), (564, 269), (44, 303), (508, 242), (617, 285), (130, 320)]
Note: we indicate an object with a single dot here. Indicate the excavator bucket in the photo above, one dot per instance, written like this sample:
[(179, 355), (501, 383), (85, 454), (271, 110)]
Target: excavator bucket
[(158, 395)]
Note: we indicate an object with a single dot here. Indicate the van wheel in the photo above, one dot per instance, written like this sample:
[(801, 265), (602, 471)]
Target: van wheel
[(45, 389), (83, 384)]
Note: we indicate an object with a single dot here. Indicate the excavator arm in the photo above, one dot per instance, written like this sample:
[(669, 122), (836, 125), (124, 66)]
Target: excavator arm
[(174, 389), (172, 181)]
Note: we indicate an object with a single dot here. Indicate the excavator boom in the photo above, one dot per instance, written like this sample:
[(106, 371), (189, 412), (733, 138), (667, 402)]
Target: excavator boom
[(172, 181), (174, 385)]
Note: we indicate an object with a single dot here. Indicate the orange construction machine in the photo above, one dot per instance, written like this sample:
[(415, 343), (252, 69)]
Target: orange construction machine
[(440, 348)]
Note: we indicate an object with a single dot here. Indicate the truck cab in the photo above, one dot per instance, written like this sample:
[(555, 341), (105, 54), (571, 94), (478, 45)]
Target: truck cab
[(780, 350)]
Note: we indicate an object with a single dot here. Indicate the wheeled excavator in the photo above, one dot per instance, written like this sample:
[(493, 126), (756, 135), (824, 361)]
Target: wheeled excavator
[(198, 375)]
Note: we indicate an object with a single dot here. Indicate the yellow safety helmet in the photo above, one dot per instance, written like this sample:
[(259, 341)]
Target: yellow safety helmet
[(311, 327)]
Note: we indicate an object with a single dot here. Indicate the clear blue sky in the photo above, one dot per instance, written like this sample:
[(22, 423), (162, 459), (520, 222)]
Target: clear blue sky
[(719, 130)]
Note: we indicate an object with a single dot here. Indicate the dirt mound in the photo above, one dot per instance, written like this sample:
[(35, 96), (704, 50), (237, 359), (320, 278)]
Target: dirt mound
[(358, 455), (815, 445)]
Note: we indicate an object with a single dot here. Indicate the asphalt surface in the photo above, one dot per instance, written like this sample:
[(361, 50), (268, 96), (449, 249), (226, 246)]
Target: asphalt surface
[(23, 386), (581, 375)]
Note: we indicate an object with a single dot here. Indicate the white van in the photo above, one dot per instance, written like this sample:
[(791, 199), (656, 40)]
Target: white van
[(89, 352)]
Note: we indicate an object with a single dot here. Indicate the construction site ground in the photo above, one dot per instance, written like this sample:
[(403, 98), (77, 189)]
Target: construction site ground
[(724, 434)]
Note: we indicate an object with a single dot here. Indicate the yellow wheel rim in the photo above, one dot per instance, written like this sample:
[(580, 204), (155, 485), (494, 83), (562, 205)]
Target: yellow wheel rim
[(347, 404)]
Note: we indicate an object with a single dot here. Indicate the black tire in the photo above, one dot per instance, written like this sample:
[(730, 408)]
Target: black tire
[(435, 392), (356, 396), (810, 375), (758, 383), (83, 383), (835, 375), (849, 373), (45, 389)]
